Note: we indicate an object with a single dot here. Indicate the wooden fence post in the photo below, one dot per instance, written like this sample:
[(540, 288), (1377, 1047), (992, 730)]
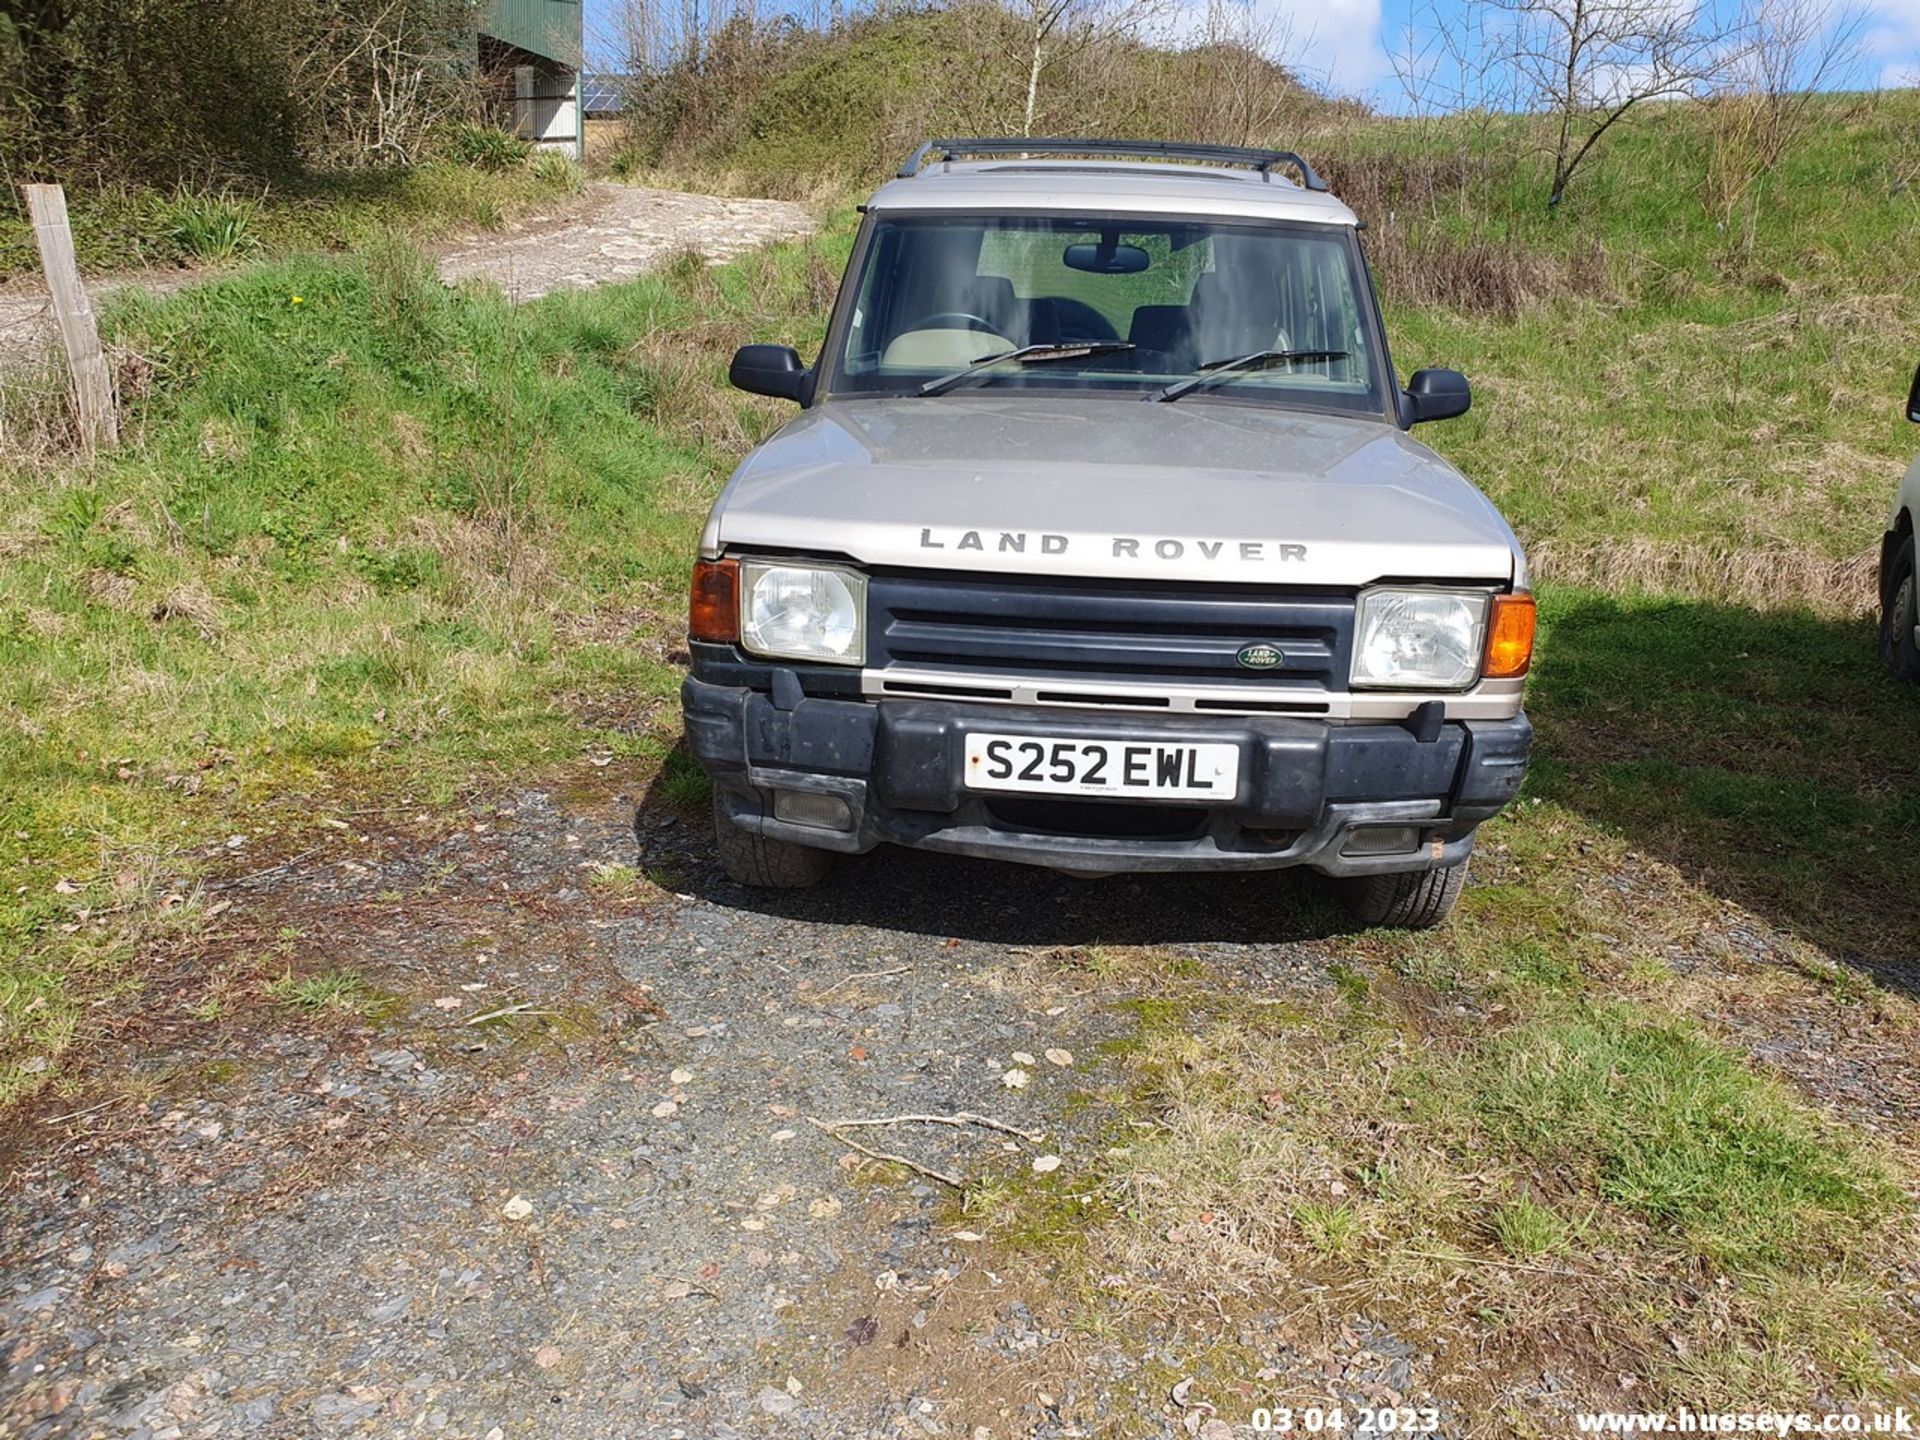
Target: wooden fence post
[(86, 365)]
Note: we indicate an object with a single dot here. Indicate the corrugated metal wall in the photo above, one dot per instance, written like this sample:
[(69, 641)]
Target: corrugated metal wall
[(545, 79), (553, 28)]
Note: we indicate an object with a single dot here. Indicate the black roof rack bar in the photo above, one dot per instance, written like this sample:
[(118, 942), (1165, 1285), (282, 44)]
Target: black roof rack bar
[(1261, 160)]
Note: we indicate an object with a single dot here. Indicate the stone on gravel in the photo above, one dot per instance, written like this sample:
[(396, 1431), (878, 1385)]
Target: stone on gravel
[(777, 1402)]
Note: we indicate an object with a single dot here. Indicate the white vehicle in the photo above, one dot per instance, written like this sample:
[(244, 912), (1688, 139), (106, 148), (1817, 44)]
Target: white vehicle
[(1100, 543), (1900, 571)]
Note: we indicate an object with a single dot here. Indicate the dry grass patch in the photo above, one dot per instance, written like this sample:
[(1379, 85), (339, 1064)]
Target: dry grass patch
[(1764, 576)]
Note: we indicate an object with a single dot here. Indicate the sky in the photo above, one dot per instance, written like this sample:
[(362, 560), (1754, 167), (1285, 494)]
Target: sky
[(1343, 45)]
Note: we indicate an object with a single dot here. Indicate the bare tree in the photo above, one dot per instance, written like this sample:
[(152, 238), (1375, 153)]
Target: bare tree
[(1243, 88), (1052, 31), (1588, 63), (1789, 52), (1461, 91)]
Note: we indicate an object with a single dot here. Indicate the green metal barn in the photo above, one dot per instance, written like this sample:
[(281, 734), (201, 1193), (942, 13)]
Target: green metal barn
[(533, 50)]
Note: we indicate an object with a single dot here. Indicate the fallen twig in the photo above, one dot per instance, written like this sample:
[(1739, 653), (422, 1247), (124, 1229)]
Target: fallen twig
[(866, 975), (90, 1110), (525, 1007), (913, 1165), (964, 1117), (254, 875)]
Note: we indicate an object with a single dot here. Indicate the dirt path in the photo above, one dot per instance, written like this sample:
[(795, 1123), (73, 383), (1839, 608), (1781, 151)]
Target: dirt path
[(622, 231), (613, 232), (311, 1230)]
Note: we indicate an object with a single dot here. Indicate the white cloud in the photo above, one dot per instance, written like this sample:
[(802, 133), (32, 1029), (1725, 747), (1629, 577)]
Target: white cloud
[(1893, 42), (1334, 44)]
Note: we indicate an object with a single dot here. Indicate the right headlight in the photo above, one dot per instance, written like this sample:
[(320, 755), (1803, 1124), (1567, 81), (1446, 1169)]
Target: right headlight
[(1419, 639), (792, 611)]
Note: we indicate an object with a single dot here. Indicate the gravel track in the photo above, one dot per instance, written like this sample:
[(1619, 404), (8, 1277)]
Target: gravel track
[(308, 1230)]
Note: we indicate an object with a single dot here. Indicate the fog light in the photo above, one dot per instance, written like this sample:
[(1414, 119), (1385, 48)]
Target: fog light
[(1382, 840), (805, 807)]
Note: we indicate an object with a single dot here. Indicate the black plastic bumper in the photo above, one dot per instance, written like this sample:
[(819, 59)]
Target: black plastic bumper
[(1312, 792)]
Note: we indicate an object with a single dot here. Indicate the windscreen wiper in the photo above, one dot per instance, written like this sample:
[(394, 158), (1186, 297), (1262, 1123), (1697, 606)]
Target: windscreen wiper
[(1217, 371), (1027, 355)]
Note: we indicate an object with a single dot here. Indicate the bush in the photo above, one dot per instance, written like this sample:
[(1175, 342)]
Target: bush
[(487, 147), (216, 228), (171, 90), (559, 171)]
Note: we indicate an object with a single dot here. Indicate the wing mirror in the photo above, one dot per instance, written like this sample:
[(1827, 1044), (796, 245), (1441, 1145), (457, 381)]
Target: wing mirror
[(769, 370), (1435, 395), (1913, 399)]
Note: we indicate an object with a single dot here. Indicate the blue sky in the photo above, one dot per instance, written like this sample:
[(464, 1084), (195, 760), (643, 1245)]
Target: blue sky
[(1344, 44)]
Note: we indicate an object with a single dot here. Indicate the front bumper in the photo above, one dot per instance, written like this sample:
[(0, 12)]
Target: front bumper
[(1313, 792)]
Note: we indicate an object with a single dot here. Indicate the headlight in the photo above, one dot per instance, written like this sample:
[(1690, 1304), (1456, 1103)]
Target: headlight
[(1419, 639), (803, 612)]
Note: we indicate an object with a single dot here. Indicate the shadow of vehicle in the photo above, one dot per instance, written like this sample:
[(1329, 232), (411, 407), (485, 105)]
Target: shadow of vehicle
[(1764, 754), (956, 896)]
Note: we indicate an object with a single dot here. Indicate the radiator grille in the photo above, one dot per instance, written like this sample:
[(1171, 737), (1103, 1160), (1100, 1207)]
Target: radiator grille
[(1108, 630)]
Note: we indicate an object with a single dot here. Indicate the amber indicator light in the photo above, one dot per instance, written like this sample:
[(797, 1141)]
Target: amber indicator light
[(713, 613)]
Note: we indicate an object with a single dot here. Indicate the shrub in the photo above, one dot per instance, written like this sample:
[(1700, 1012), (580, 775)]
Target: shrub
[(487, 147), (211, 227), (559, 171)]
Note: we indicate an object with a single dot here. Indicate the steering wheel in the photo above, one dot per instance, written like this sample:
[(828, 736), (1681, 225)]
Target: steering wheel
[(946, 318)]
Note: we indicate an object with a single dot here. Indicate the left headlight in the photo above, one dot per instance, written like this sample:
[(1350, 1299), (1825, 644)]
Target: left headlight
[(1419, 639), (803, 612)]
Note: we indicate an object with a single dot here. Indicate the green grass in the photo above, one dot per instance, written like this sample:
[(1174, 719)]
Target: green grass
[(358, 541), (1527, 1229), (131, 227), (1761, 748), (1550, 1145), (1656, 1118), (341, 990), (1729, 421)]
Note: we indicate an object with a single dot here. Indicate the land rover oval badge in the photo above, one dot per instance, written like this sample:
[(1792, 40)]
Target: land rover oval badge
[(1261, 656)]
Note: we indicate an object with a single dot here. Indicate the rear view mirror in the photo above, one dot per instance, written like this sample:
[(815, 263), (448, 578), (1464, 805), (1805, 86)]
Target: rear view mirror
[(768, 370), (1105, 259), (1913, 399), (1435, 395)]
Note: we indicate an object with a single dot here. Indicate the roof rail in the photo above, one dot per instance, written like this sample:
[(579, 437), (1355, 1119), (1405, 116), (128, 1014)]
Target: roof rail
[(1262, 161)]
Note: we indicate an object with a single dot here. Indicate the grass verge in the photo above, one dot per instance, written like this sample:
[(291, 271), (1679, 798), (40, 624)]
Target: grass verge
[(131, 227), (370, 537)]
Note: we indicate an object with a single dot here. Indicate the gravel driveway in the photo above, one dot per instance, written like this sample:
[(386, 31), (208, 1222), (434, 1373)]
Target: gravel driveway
[(620, 231), (605, 1212)]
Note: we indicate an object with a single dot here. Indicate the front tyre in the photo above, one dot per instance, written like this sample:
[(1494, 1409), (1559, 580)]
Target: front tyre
[(763, 863), (1897, 649), (1416, 900)]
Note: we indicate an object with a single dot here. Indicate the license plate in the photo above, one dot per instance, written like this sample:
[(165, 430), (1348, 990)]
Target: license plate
[(1145, 769)]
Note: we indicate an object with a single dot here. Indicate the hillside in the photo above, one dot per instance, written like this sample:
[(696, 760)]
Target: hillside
[(783, 110)]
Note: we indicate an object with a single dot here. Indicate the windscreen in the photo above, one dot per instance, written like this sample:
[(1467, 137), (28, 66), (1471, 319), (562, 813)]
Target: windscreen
[(1268, 312)]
